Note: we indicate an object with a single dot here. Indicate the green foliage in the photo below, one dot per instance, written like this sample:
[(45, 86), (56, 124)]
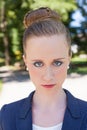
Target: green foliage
[(80, 33), (62, 6), (78, 70), (11, 20), (15, 40), (78, 65), (11, 23)]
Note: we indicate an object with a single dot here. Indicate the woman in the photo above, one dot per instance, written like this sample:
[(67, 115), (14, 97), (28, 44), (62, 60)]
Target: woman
[(47, 54)]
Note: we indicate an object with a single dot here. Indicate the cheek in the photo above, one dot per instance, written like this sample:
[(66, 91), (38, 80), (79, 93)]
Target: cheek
[(61, 75), (34, 72), (62, 72)]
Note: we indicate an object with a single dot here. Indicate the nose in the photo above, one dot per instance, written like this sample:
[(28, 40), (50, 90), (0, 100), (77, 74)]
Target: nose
[(48, 74)]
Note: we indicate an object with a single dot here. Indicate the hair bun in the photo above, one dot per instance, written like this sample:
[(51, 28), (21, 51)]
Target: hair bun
[(40, 14)]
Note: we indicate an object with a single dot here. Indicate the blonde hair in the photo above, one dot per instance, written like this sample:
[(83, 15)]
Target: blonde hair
[(44, 22)]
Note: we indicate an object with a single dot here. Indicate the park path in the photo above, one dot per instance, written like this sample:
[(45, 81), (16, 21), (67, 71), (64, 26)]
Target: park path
[(17, 86)]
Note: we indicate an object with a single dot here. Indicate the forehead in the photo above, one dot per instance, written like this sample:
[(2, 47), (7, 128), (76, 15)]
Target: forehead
[(45, 46)]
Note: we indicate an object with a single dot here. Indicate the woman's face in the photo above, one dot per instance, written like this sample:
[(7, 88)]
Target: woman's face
[(47, 60)]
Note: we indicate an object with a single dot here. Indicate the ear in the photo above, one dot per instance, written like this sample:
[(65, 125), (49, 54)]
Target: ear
[(69, 59), (25, 61), (24, 58)]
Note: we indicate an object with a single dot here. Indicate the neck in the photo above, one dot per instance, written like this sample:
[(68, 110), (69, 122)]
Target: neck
[(53, 99)]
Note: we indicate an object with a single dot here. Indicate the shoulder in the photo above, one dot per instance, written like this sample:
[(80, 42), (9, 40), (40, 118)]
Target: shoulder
[(83, 112), (11, 110), (76, 109), (76, 103), (17, 104), (13, 106), (8, 114), (82, 105)]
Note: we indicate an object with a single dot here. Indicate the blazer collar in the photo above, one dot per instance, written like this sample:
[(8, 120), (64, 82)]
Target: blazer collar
[(26, 106), (24, 117), (71, 117), (72, 105)]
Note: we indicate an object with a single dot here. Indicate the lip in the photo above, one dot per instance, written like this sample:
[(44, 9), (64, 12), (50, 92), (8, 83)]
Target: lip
[(48, 85)]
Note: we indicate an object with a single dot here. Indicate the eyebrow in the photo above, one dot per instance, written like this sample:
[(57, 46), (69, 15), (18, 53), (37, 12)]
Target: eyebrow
[(60, 58), (53, 59)]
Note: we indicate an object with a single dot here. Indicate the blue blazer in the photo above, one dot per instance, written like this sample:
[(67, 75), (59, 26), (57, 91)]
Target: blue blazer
[(18, 115)]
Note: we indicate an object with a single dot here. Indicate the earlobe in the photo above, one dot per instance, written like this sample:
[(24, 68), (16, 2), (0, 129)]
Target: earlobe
[(24, 59), (68, 67), (69, 59)]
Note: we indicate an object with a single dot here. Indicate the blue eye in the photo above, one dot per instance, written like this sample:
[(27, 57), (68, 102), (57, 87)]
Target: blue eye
[(58, 63), (38, 64)]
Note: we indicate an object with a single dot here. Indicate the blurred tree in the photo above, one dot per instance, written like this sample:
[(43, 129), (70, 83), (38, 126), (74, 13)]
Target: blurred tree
[(62, 6), (3, 27), (83, 29), (80, 33), (11, 18)]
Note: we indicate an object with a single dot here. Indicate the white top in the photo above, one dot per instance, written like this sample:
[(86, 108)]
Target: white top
[(56, 127)]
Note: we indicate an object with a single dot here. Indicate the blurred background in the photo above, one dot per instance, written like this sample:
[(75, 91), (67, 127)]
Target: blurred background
[(12, 68)]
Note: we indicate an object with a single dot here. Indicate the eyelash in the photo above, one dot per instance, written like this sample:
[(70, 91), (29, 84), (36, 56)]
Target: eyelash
[(40, 64), (58, 63)]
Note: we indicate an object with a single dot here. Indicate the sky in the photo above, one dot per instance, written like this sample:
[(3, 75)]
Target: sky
[(77, 19), (77, 16)]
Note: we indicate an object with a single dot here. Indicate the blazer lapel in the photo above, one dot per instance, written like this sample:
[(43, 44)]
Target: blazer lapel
[(24, 118), (71, 123), (24, 123), (72, 118)]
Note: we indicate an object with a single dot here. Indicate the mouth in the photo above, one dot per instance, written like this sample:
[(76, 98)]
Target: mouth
[(48, 85)]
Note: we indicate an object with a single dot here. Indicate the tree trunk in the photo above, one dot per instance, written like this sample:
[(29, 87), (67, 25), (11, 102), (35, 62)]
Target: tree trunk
[(3, 27), (7, 57)]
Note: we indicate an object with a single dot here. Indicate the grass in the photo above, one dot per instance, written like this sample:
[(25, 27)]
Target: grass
[(0, 85), (79, 70), (78, 65)]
